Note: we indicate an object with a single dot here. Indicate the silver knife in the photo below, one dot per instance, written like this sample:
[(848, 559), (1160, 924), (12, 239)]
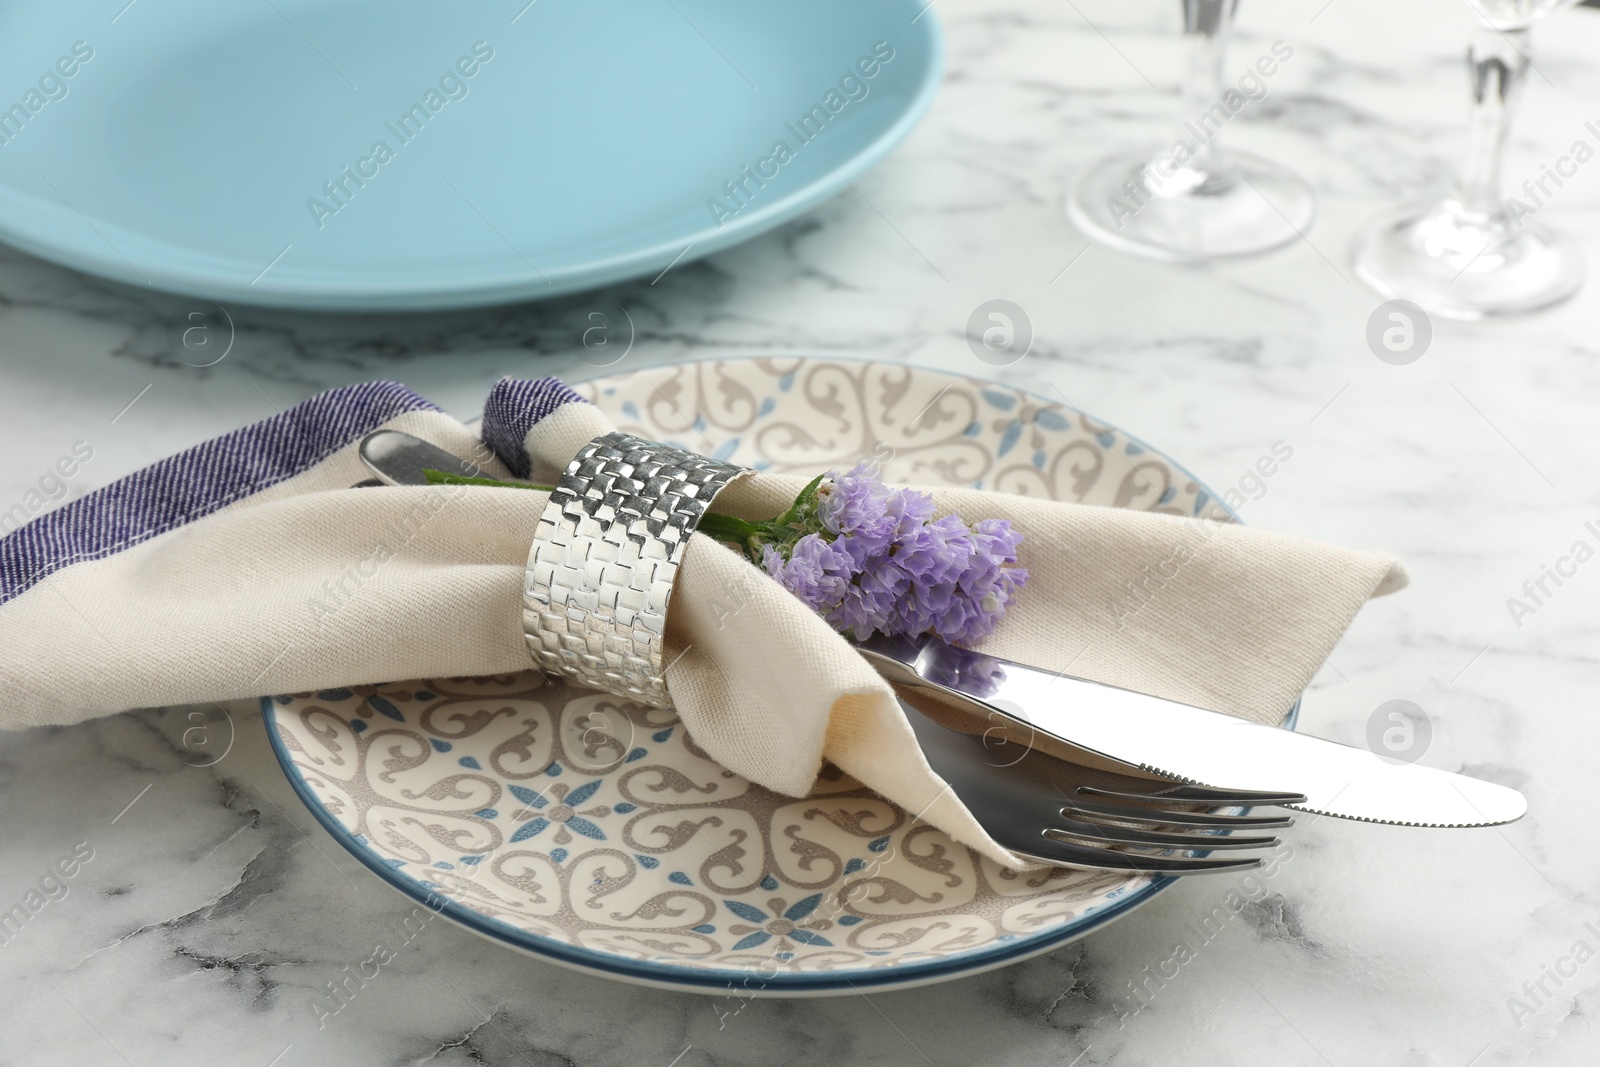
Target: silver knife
[(1173, 740)]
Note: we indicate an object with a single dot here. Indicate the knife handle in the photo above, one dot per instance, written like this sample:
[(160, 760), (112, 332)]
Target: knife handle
[(917, 676)]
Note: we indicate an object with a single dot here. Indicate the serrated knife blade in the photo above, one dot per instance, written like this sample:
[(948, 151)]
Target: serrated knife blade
[(1190, 744)]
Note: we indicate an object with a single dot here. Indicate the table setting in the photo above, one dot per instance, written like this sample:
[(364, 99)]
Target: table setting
[(656, 533)]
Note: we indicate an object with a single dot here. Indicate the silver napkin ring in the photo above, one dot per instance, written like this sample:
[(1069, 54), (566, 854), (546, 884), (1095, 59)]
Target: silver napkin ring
[(604, 556)]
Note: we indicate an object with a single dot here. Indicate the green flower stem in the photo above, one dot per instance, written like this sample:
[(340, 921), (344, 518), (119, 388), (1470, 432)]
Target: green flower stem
[(442, 478), (801, 501), (734, 531)]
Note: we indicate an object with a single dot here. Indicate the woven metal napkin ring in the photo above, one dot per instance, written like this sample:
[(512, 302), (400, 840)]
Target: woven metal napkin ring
[(604, 556)]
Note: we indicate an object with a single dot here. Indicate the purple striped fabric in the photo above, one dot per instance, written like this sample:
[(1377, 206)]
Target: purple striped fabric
[(197, 482), (513, 407)]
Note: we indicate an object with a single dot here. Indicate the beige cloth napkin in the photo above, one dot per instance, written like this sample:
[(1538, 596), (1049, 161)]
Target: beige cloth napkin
[(308, 585)]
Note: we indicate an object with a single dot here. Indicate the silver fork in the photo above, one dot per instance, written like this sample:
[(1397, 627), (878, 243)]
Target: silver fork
[(1068, 815)]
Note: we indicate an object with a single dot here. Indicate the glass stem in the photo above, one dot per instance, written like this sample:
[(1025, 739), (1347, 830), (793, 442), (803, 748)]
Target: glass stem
[(1207, 28), (1497, 63)]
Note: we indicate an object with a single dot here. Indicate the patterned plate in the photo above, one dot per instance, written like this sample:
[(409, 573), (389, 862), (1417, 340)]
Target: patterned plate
[(595, 833)]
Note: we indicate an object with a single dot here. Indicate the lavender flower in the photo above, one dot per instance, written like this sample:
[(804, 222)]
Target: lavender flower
[(816, 571), (854, 502), (855, 507), (989, 584), (872, 559)]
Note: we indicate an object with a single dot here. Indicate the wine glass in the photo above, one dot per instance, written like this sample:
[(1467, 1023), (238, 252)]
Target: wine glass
[(1476, 254), (1190, 201)]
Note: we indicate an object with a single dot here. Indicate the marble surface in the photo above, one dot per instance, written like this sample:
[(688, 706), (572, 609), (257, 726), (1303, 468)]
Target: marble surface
[(214, 913)]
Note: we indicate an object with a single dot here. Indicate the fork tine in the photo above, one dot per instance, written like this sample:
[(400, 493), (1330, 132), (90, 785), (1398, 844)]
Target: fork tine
[(1106, 834), (1200, 794), (1175, 816), (1060, 853), (1016, 801)]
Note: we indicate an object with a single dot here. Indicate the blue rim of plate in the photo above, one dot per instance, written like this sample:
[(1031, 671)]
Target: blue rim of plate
[(1013, 949), (91, 255)]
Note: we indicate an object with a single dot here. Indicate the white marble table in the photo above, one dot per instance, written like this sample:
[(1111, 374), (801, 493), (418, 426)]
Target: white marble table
[(214, 910)]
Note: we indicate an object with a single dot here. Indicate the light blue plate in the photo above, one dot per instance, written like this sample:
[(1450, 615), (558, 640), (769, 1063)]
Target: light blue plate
[(185, 146)]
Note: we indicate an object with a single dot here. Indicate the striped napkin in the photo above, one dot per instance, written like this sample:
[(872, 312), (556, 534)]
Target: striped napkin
[(247, 566)]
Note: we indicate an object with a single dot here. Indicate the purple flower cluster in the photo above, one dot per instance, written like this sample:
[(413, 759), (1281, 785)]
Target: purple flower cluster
[(881, 562)]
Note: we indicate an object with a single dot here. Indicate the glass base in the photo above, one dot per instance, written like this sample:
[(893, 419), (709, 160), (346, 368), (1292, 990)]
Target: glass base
[(1235, 204), (1462, 264)]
